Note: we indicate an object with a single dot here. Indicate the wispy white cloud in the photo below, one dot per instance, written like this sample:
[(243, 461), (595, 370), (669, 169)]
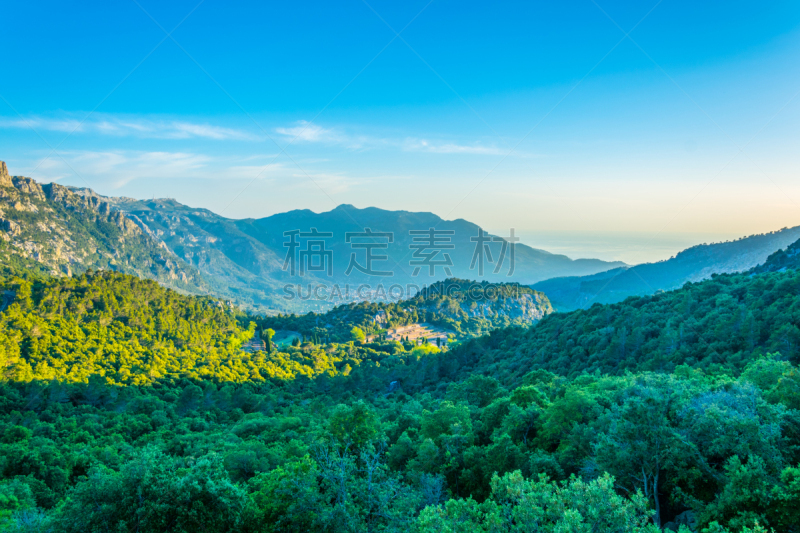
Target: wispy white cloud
[(328, 183), (422, 145), (249, 172), (37, 123), (304, 131), (121, 167), (300, 132), (125, 126), (114, 169)]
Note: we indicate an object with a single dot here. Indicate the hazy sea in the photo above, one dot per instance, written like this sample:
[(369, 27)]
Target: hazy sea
[(630, 247)]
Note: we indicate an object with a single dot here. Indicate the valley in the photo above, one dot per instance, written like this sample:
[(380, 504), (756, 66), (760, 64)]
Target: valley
[(144, 350), (115, 386)]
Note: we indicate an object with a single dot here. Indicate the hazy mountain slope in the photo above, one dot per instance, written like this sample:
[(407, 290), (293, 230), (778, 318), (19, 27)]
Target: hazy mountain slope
[(244, 259), (693, 264), (782, 260), (236, 263), (52, 230), (531, 264)]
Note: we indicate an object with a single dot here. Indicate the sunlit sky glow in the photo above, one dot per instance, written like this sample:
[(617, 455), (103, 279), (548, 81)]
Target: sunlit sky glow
[(540, 116)]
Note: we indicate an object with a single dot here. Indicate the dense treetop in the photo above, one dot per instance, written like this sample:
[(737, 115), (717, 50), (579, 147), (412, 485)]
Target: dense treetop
[(128, 407), (719, 325), (466, 308)]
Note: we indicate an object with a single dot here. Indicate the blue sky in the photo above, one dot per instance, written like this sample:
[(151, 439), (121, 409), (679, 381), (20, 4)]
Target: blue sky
[(540, 116)]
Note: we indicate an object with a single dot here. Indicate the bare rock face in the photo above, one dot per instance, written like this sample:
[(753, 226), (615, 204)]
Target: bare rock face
[(28, 186), (68, 232), (127, 225), (5, 179), (9, 226), (56, 192)]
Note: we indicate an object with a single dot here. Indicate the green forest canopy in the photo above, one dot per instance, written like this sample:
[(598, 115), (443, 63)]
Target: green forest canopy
[(126, 406), (467, 308)]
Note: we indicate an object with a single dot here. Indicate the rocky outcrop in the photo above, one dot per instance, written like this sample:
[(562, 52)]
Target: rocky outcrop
[(127, 225), (5, 179), (56, 192), (8, 226), (28, 186), (528, 307), (67, 196)]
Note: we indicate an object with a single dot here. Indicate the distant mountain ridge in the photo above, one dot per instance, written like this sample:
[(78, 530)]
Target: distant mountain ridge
[(691, 265), (60, 230), (227, 252), (530, 263), (245, 257)]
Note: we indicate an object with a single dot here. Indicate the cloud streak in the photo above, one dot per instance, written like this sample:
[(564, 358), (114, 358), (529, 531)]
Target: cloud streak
[(114, 169), (111, 170), (305, 132), (301, 132), (118, 168), (130, 127), (422, 145)]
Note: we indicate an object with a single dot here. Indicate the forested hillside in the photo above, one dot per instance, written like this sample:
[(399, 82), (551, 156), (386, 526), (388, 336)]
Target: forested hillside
[(125, 329), (128, 407), (466, 308), (719, 325), (693, 264)]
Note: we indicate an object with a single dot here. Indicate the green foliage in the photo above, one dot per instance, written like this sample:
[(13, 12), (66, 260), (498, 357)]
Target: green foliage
[(357, 334), (288, 498), (15, 497), (720, 325), (125, 329), (520, 505), (153, 493), (128, 407), (354, 425), (467, 308)]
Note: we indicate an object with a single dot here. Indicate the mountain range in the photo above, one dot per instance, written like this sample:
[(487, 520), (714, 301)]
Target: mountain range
[(244, 259), (62, 230)]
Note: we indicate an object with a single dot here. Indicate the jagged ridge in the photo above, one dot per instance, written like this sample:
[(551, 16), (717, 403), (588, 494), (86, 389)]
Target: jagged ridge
[(55, 231)]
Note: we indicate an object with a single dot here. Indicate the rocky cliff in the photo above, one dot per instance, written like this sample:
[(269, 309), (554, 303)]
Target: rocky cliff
[(51, 229)]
